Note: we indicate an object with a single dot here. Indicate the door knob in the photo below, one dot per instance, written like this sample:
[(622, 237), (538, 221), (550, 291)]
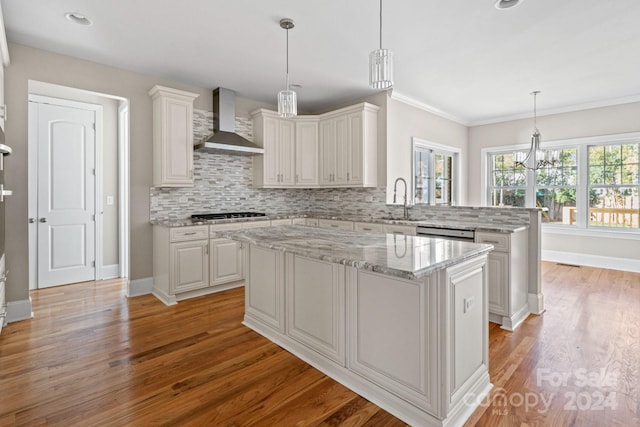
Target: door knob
[(43, 219)]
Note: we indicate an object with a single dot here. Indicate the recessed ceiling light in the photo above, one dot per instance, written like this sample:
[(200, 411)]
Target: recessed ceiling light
[(507, 4), (78, 18)]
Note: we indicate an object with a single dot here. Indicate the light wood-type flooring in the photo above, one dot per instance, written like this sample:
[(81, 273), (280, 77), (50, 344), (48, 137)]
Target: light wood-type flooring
[(93, 357)]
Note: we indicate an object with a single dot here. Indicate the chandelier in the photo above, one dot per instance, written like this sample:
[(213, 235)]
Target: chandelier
[(536, 157)]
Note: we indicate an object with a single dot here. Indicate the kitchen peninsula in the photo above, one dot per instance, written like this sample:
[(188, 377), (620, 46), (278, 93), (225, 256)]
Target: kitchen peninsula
[(401, 320)]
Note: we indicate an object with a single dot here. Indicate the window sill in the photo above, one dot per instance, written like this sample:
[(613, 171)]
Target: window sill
[(590, 232)]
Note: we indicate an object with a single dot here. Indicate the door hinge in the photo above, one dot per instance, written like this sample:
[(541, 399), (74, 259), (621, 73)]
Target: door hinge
[(93, 217), (93, 264), (93, 171)]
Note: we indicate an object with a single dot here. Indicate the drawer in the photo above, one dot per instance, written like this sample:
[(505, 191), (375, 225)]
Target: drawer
[(275, 222), (335, 224), (369, 227), (256, 224), (180, 234), (407, 230), (500, 241), (223, 227), (299, 221)]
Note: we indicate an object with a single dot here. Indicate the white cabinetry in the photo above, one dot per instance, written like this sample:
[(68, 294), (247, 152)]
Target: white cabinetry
[(180, 261), (315, 292), (406, 230), (172, 137), (349, 146), (290, 150), (508, 272), (4, 62), (264, 297), (3, 106), (370, 227), (225, 260)]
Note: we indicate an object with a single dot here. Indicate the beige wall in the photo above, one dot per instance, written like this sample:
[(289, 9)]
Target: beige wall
[(598, 121), (33, 64), (405, 122)]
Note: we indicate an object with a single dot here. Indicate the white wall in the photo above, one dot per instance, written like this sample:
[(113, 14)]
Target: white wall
[(598, 250), (405, 122)]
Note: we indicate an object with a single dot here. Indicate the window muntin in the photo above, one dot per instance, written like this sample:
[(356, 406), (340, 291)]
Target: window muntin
[(507, 182), (595, 185), (435, 174), (614, 185)]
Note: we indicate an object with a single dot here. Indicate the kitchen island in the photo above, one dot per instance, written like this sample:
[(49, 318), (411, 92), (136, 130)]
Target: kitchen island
[(400, 320)]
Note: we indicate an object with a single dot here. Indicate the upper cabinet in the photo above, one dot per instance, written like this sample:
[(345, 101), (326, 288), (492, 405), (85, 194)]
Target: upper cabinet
[(172, 137), (4, 61), (290, 156), (349, 147), (335, 149)]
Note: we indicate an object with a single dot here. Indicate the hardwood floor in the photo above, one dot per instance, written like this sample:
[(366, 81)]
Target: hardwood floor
[(93, 357)]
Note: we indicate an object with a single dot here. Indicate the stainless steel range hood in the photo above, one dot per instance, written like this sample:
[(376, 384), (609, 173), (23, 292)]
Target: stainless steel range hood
[(224, 138)]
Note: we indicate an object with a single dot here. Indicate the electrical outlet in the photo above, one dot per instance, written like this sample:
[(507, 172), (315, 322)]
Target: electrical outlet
[(468, 304), (109, 200)]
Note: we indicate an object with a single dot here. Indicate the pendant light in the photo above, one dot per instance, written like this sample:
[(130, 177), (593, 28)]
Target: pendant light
[(381, 64), (287, 99), (541, 158)]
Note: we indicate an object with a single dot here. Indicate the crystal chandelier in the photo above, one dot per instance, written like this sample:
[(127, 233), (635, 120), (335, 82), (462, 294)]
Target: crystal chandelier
[(381, 64), (287, 99), (539, 157)]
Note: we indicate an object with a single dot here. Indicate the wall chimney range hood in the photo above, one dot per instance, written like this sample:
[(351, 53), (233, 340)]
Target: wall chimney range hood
[(224, 138)]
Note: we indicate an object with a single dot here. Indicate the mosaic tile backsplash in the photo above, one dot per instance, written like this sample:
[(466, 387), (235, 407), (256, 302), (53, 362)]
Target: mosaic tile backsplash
[(222, 183)]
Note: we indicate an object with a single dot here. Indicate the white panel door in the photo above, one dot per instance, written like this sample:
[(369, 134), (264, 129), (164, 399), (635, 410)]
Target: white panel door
[(66, 195), (307, 153)]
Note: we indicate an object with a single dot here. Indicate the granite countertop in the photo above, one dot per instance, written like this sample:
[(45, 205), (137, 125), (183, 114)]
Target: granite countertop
[(455, 224), (408, 257)]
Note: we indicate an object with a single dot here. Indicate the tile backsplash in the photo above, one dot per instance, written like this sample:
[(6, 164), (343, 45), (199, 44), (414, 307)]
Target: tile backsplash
[(222, 183)]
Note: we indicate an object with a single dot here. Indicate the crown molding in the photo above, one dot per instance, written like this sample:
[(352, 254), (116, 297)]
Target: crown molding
[(428, 108), (568, 109)]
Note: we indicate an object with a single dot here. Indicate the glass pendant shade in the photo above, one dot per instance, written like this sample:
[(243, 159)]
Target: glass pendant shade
[(381, 69), (287, 103)]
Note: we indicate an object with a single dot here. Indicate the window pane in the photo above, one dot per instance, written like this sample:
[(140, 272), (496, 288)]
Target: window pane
[(613, 207), (507, 197), (559, 205), (421, 178)]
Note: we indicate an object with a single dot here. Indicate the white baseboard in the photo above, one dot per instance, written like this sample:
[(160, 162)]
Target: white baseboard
[(536, 303), (140, 287), (624, 264), (110, 271), (19, 310)]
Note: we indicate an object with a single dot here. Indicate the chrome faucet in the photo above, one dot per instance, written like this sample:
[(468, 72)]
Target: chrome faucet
[(406, 206)]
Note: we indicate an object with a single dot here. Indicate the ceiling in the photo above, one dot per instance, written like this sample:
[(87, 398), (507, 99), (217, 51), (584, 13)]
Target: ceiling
[(464, 59)]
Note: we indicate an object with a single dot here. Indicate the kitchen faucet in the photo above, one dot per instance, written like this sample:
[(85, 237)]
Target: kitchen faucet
[(406, 206)]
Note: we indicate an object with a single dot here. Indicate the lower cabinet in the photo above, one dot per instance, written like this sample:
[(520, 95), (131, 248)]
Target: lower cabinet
[(508, 274), (264, 298), (225, 261), (189, 264)]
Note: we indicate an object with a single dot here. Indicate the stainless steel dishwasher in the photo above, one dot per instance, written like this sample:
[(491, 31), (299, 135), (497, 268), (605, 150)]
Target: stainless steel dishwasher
[(446, 233)]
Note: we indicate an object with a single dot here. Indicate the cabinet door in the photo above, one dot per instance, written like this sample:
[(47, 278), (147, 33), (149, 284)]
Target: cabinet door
[(287, 152), (189, 262), (498, 278), (327, 151), (264, 286), (316, 305), (341, 158), (225, 261), (355, 147), (306, 153), (172, 137), (270, 136)]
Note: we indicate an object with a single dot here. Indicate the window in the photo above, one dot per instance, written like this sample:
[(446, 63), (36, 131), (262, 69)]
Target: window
[(613, 185), (595, 184), (507, 182), (435, 173)]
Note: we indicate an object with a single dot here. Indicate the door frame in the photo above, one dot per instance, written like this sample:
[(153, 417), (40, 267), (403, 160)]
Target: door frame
[(33, 181)]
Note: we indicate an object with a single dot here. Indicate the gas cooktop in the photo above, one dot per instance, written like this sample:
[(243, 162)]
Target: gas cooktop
[(226, 215)]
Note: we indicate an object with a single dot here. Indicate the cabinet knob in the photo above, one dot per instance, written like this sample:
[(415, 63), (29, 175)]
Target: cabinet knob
[(32, 220), (43, 219)]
